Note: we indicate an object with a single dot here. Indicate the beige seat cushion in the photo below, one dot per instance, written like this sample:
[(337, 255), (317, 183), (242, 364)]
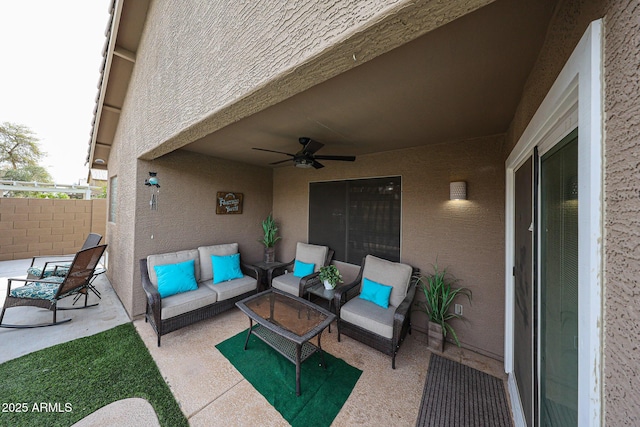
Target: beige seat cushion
[(312, 254), (205, 252), (172, 258), (369, 316), (187, 301), (232, 288), (389, 273), (287, 283)]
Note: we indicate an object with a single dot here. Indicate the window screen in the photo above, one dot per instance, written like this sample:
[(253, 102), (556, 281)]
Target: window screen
[(357, 217)]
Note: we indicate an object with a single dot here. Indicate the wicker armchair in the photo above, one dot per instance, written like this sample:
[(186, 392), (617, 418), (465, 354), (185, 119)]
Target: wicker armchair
[(283, 278), (381, 328)]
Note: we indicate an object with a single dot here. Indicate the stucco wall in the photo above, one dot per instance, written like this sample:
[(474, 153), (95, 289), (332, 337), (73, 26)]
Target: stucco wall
[(200, 68), (621, 358), (622, 201), (467, 237), (186, 216)]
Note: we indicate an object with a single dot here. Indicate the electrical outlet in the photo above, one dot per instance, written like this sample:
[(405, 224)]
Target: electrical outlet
[(458, 309)]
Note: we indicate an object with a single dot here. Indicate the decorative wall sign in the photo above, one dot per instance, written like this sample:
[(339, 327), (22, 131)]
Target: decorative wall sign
[(228, 203)]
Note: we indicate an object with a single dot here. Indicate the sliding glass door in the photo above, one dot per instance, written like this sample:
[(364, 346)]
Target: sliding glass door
[(559, 284), (545, 317)]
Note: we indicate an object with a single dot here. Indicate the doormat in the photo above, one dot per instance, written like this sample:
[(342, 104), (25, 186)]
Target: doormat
[(323, 391), (457, 395)]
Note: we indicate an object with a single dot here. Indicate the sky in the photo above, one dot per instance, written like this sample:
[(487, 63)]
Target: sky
[(50, 57)]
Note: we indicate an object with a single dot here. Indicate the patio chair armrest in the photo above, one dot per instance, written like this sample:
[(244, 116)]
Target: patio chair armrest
[(403, 312), (9, 284), (252, 271), (346, 292), (278, 271), (60, 263), (27, 280), (404, 309), (153, 296), (308, 281), (52, 258)]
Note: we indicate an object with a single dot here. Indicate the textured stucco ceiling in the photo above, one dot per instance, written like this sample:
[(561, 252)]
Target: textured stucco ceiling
[(460, 81)]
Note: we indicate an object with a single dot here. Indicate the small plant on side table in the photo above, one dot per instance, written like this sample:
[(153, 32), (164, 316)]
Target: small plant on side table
[(330, 276), (439, 294)]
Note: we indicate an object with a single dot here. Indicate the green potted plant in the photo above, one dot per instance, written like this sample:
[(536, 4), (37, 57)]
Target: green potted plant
[(270, 237), (330, 276), (439, 296)]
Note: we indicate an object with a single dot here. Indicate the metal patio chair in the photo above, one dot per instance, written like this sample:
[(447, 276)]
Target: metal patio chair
[(46, 293), (59, 267)]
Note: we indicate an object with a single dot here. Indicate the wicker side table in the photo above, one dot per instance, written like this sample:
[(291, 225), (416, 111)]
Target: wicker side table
[(264, 267)]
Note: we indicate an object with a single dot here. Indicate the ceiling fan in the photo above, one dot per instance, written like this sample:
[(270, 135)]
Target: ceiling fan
[(306, 157)]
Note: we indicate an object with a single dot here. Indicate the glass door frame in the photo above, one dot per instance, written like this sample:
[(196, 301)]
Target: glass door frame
[(574, 99)]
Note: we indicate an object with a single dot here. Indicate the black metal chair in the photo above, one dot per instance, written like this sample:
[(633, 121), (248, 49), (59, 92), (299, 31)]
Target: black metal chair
[(45, 293), (58, 265)]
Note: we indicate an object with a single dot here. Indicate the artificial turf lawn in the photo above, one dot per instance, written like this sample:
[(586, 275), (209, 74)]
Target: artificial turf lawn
[(60, 385)]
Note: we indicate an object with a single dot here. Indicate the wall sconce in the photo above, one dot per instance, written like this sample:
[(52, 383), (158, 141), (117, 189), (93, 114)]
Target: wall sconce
[(458, 190)]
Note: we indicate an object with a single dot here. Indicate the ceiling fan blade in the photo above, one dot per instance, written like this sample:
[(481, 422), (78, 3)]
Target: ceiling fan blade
[(281, 161), (343, 158), (273, 151), (317, 164), (311, 146)]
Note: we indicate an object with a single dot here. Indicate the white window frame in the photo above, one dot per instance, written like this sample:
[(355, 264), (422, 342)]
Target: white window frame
[(576, 94)]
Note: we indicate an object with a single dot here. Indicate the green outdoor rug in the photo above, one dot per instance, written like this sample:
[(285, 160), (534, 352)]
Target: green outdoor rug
[(323, 391)]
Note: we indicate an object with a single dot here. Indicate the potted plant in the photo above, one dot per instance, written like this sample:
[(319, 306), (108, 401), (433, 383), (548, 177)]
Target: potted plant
[(439, 295), (270, 229), (330, 276)]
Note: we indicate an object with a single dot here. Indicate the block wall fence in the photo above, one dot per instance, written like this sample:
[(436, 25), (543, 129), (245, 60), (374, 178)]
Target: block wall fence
[(36, 227)]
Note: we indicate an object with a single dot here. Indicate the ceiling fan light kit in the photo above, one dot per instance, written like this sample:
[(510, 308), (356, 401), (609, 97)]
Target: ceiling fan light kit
[(306, 157)]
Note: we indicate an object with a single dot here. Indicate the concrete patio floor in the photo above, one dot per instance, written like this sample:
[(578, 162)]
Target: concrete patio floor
[(211, 392), (108, 314)]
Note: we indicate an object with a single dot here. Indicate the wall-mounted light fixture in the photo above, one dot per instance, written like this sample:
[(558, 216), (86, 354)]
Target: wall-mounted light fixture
[(458, 190)]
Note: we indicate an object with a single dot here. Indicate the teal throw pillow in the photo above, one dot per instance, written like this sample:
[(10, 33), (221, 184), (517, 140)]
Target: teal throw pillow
[(176, 278), (301, 269), (375, 292), (226, 267)]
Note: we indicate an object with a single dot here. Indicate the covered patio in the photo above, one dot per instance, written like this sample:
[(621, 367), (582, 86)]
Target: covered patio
[(211, 392), (428, 92)]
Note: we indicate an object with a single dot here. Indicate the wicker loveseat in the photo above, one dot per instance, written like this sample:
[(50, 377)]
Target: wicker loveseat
[(169, 313)]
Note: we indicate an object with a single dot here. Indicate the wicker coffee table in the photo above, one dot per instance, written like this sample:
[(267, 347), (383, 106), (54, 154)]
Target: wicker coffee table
[(286, 323)]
